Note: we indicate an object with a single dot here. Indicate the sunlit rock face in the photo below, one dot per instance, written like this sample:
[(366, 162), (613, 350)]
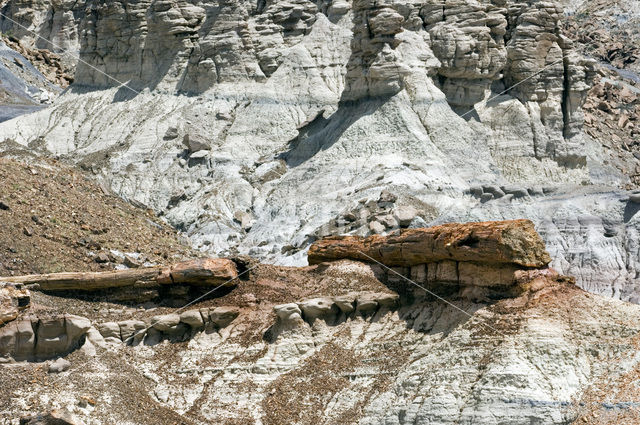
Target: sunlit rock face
[(257, 127)]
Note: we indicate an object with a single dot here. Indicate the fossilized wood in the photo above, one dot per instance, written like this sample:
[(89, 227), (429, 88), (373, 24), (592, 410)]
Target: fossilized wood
[(211, 271), (495, 242), (90, 281)]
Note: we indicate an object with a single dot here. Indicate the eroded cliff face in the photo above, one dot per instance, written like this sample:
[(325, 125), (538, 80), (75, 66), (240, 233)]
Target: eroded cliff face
[(342, 341), (258, 127)]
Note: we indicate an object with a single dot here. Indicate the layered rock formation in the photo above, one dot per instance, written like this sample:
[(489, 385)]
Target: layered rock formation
[(264, 125), (338, 342)]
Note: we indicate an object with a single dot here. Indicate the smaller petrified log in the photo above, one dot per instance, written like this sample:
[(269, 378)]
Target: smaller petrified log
[(207, 272), (202, 272), (88, 281), (494, 242)]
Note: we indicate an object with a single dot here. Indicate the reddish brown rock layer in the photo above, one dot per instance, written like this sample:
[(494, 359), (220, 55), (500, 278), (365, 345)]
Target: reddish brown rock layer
[(495, 242)]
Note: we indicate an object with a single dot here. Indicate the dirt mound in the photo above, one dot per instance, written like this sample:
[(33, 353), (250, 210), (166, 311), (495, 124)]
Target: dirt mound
[(53, 219)]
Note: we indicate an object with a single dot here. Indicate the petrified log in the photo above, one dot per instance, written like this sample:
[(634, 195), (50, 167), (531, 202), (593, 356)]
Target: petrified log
[(202, 272), (496, 242), (213, 271)]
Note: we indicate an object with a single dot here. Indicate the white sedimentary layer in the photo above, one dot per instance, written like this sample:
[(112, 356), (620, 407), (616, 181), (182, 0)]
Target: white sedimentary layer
[(257, 126)]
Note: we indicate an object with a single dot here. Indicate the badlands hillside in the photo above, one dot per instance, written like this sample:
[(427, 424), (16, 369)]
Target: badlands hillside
[(257, 127), (177, 178)]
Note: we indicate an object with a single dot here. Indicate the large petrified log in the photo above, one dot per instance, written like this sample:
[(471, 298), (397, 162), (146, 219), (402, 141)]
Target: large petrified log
[(205, 272), (495, 242)]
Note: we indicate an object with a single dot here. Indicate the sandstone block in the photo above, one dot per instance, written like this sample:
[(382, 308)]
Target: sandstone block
[(109, 330), (346, 303), (288, 312), (366, 303), (131, 328), (166, 323), (318, 308), (221, 317), (192, 318)]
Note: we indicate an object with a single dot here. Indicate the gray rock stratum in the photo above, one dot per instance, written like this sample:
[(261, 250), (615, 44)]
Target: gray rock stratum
[(256, 127)]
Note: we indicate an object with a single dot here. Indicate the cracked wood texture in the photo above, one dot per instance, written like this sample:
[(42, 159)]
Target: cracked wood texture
[(202, 272), (502, 242)]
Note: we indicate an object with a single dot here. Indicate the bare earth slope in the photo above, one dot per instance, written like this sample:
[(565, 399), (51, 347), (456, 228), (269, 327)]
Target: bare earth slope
[(55, 219)]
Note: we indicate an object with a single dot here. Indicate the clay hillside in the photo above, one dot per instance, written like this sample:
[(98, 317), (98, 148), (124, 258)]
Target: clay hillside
[(502, 336), (319, 212)]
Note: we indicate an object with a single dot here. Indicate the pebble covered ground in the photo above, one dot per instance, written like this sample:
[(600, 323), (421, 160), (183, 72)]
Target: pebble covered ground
[(55, 219)]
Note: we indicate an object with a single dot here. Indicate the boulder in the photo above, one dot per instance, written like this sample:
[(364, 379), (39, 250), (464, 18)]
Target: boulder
[(59, 365), (318, 308), (387, 197), (476, 191), (171, 133), (376, 227), (389, 301), (221, 317), (494, 190), (132, 329), (498, 242), (486, 197), (109, 330), (516, 191), (195, 140), (405, 214), (288, 312), (388, 221), (192, 318), (166, 323), (366, 303), (346, 303)]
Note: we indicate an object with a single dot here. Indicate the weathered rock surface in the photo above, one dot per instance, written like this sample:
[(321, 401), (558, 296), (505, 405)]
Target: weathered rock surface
[(33, 338), (55, 417), (399, 357), (138, 285), (507, 242), (309, 108), (13, 300)]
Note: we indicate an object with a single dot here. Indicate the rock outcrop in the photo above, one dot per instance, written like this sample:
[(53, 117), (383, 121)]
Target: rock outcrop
[(308, 344), (13, 300), (309, 110), (40, 338)]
